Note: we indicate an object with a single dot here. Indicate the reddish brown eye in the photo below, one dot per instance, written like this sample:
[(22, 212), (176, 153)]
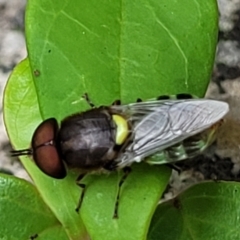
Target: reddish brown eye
[(45, 132), (45, 149), (48, 160)]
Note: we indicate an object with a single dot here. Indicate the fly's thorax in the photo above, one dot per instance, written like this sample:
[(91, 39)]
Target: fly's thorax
[(88, 140)]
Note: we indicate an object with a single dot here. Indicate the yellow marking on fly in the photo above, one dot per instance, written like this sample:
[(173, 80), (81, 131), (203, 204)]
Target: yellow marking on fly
[(122, 129)]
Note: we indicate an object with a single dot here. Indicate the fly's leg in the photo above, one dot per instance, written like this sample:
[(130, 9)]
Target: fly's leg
[(116, 103), (83, 187), (110, 166), (179, 96), (34, 236), (174, 167), (126, 171), (86, 97), (163, 97)]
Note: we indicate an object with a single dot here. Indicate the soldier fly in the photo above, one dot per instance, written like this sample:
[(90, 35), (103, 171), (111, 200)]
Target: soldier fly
[(159, 131)]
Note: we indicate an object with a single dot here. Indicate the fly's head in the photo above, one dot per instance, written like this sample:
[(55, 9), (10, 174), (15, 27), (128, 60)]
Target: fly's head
[(45, 149)]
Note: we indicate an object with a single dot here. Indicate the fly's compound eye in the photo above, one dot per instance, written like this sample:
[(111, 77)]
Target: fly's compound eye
[(45, 150), (122, 129)]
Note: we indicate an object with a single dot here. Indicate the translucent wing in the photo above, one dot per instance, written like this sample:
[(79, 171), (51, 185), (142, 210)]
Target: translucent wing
[(157, 125)]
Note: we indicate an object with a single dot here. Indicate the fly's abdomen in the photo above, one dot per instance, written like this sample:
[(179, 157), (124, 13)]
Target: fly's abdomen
[(185, 149)]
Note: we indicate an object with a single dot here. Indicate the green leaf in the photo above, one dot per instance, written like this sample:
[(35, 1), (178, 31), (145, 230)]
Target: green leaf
[(206, 211), (21, 116), (118, 50), (23, 212), (139, 196)]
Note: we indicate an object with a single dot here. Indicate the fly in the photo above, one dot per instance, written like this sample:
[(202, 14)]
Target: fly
[(159, 131)]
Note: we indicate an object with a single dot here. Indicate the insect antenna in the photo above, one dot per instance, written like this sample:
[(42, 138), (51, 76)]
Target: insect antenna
[(126, 171), (17, 153)]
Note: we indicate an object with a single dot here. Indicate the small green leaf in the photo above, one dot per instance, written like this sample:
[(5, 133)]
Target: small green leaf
[(209, 210), (23, 212)]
